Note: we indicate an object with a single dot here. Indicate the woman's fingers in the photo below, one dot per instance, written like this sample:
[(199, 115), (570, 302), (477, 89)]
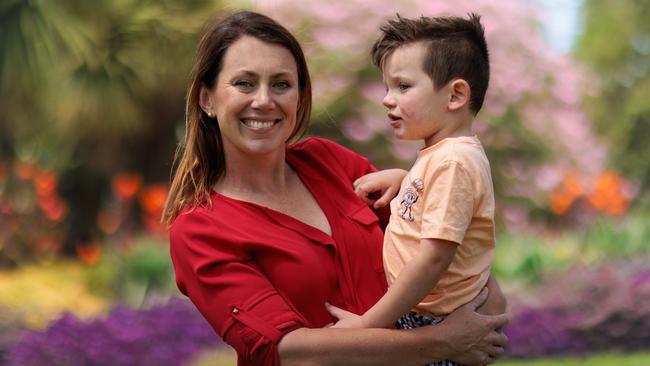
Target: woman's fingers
[(498, 322), (495, 351), (478, 300), (497, 339)]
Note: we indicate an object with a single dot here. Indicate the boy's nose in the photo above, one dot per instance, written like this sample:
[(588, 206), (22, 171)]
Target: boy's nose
[(388, 101)]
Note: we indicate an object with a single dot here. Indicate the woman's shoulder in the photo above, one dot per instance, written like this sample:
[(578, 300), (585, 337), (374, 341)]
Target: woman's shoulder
[(208, 218), (191, 219), (323, 148)]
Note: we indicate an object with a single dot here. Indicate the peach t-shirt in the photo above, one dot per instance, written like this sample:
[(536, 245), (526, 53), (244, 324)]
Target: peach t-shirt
[(447, 194)]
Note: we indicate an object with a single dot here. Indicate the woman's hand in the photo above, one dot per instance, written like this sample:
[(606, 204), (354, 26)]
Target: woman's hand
[(472, 338), (386, 182), (496, 302)]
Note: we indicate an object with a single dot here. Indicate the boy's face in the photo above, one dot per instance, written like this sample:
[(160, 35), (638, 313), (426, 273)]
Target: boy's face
[(415, 109)]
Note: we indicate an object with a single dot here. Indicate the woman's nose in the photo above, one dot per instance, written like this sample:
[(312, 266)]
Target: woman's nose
[(263, 99)]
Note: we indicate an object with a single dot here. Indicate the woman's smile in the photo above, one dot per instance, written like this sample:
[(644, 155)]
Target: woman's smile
[(260, 124), (255, 98)]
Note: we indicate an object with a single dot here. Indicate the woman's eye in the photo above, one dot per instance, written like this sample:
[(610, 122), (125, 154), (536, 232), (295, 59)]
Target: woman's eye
[(282, 85), (243, 84)]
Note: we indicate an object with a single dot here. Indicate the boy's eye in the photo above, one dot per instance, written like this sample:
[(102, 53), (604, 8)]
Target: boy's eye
[(403, 86)]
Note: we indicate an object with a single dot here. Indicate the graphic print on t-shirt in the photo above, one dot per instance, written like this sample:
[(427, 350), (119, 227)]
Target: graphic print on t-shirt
[(409, 198)]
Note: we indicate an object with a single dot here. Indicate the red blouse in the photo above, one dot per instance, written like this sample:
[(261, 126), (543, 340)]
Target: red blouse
[(257, 274)]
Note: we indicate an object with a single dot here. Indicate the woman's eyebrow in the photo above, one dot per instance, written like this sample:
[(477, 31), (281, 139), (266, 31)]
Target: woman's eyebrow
[(281, 73)]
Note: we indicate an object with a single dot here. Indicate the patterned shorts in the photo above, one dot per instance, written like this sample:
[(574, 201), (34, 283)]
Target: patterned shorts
[(412, 320)]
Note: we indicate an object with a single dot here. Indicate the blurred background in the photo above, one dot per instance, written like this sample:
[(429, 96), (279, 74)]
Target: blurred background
[(91, 110)]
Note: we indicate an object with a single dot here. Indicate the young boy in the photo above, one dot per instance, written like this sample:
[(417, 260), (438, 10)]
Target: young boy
[(439, 243)]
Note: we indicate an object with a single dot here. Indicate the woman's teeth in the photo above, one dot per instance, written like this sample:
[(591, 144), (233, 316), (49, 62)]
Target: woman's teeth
[(258, 125)]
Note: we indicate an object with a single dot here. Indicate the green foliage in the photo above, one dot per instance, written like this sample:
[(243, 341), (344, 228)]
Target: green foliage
[(600, 360), (522, 257), (79, 74), (134, 275), (615, 44)]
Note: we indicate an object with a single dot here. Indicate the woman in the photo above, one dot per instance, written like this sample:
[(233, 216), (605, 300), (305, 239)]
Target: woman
[(264, 233)]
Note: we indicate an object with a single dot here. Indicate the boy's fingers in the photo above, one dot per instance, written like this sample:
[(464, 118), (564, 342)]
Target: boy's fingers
[(385, 198), (338, 312), (358, 181)]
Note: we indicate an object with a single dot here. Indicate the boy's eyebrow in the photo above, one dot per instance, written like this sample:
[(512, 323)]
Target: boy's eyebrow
[(394, 77)]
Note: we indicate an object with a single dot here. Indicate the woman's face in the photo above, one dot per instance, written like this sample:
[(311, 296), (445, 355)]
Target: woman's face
[(255, 98)]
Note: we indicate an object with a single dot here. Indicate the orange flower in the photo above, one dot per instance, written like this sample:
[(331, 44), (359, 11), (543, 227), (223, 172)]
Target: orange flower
[(566, 194), (560, 202), (90, 254), (152, 199), (572, 185), (52, 207), (608, 196), (126, 185), (45, 183)]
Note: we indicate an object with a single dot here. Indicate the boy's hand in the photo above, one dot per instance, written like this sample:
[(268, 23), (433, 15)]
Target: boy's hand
[(386, 182), (346, 318)]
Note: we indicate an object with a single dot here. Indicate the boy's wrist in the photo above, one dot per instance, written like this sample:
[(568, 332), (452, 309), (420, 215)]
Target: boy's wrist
[(367, 322), (373, 320)]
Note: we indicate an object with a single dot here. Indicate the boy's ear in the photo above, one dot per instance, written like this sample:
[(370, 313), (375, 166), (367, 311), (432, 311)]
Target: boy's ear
[(459, 94)]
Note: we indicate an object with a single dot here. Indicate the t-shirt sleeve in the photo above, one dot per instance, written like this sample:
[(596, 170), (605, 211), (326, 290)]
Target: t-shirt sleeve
[(227, 286), (448, 204)]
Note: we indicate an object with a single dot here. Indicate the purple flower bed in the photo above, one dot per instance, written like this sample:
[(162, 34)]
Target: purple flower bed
[(537, 332), (170, 334), (584, 310)]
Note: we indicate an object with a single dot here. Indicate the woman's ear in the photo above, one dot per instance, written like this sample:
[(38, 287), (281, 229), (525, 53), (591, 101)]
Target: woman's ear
[(205, 101), (459, 94)]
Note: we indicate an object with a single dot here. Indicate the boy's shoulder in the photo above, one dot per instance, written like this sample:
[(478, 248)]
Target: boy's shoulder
[(457, 149)]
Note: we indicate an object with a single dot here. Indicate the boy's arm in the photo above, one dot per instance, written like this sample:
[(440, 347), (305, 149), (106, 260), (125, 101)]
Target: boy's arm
[(386, 182), (415, 281)]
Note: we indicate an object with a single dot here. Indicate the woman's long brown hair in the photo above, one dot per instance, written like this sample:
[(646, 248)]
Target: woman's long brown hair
[(200, 158)]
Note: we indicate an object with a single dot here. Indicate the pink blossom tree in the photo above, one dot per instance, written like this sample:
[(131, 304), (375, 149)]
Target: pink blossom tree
[(532, 122)]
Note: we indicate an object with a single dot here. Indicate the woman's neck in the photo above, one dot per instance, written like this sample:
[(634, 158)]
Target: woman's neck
[(254, 175)]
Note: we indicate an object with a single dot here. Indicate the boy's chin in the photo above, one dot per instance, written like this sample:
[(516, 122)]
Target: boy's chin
[(399, 135)]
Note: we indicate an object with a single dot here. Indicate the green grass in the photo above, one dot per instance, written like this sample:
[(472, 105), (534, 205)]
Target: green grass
[(227, 358), (626, 359)]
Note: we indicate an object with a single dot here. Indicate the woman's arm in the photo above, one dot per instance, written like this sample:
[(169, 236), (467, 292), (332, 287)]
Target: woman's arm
[(496, 301), (465, 337)]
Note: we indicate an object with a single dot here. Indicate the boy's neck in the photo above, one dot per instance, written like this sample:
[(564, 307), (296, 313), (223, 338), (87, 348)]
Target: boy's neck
[(457, 128)]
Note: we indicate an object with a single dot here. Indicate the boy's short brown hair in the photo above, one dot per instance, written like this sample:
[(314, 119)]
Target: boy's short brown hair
[(456, 48)]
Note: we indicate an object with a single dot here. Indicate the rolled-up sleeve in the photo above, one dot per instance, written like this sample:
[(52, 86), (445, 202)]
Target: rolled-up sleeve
[(220, 276)]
